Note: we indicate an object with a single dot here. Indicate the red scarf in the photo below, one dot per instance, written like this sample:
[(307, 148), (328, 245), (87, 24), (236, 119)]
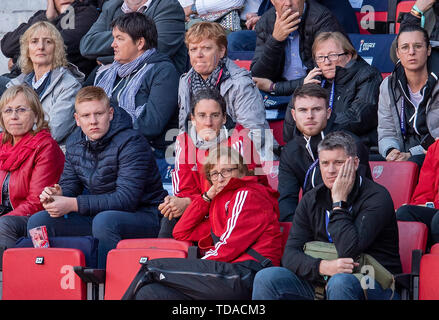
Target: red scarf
[(13, 156)]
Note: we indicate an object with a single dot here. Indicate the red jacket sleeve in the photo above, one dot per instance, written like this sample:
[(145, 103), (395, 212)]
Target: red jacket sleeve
[(194, 224), (246, 220), (184, 182), (47, 170), (426, 190)]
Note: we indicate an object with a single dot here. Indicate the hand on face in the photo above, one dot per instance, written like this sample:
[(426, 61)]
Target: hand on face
[(344, 182), (310, 78), (285, 24)]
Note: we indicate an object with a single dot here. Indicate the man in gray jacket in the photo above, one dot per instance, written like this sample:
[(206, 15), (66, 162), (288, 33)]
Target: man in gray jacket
[(168, 16)]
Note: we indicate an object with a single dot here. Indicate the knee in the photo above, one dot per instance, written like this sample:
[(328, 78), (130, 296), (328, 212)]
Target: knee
[(38, 219), (104, 222), (342, 286), (404, 213)]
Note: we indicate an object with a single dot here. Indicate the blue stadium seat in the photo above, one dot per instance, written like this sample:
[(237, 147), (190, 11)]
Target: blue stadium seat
[(375, 48)]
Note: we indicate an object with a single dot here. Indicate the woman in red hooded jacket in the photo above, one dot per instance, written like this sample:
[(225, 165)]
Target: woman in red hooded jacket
[(30, 159), (206, 130), (424, 204), (240, 216)]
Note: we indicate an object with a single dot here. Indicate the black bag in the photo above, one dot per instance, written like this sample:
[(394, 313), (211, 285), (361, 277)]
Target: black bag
[(198, 279)]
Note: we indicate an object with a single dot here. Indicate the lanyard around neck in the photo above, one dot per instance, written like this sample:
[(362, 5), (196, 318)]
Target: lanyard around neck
[(331, 97)]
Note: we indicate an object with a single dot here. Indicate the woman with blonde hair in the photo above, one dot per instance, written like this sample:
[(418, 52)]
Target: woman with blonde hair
[(45, 68), (353, 86), (30, 159)]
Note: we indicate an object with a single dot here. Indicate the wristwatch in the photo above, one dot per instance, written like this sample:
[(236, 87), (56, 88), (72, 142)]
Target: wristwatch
[(340, 204)]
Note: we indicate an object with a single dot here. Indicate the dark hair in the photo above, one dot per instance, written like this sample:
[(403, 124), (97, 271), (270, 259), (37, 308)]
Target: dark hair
[(137, 26), (339, 140), (413, 28), (310, 90), (208, 94)]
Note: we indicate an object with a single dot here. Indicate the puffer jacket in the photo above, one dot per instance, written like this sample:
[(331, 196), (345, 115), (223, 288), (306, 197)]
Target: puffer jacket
[(356, 92), (58, 99), (33, 171), (244, 102), (118, 171), (244, 214), (393, 91), (269, 58)]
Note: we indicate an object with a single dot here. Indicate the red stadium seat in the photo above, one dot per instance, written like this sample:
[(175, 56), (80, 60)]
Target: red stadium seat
[(403, 6), (271, 169), (412, 236), (277, 127), (429, 277), (124, 262), (434, 249), (399, 177), (123, 265), (42, 274), (154, 243), (243, 64)]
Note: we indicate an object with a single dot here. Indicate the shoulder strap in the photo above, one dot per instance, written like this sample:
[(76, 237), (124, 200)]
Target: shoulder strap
[(265, 262)]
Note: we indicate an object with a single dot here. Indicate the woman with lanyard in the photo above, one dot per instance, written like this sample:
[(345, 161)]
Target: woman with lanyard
[(45, 68), (142, 81), (408, 110), (352, 84), (207, 45)]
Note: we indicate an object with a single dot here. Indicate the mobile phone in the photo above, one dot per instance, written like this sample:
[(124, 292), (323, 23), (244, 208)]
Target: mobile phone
[(427, 141)]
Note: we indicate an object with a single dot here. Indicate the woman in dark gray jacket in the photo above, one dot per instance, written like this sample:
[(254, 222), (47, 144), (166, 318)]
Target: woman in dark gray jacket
[(142, 81)]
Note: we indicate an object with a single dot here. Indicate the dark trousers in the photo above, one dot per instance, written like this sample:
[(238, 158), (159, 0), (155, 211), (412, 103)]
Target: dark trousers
[(109, 227), (425, 215)]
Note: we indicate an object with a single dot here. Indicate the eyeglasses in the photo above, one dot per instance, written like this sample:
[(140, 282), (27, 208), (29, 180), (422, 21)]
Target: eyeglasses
[(331, 57), (213, 117), (20, 111), (406, 47), (225, 173)]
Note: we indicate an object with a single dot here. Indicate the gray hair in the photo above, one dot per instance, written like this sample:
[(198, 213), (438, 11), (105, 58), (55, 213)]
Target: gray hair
[(336, 140)]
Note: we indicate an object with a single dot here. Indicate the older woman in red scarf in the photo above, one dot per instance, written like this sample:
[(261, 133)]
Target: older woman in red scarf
[(30, 159)]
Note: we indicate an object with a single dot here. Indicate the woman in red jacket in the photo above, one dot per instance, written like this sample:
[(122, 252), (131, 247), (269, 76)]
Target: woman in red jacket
[(30, 159), (207, 129), (240, 217), (424, 204)]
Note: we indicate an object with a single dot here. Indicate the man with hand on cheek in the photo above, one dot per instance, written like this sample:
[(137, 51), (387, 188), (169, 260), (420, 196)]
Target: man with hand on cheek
[(352, 212)]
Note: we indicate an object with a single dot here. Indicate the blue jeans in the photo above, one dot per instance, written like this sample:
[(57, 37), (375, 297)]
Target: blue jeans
[(279, 283), (244, 40), (109, 227)]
